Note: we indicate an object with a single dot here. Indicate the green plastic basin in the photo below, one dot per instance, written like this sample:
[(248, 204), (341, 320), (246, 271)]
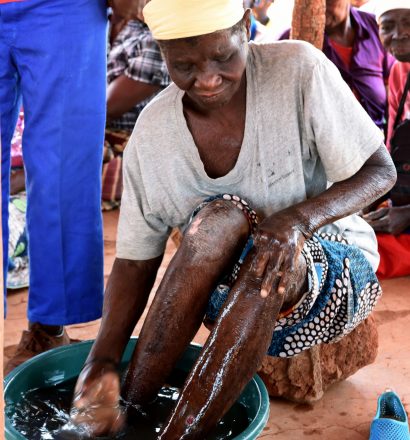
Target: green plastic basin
[(65, 363)]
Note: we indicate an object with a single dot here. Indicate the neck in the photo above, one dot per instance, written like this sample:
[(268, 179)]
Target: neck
[(343, 33)]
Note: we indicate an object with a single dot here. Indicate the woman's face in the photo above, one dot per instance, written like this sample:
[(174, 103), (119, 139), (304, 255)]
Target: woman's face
[(209, 68), (337, 12), (395, 33)]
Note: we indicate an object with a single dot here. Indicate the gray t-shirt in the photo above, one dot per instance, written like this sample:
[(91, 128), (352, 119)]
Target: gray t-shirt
[(303, 129)]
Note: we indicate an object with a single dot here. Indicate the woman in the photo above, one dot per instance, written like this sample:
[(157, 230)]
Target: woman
[(352, 44), (266, 124), (391, 220)]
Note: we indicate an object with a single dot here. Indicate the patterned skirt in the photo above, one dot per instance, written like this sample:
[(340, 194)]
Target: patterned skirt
[(342, 292)]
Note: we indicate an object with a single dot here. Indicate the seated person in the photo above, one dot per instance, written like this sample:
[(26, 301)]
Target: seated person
[(392, 222), (136, 73), (259, 18), (352, 44), (237, 152)]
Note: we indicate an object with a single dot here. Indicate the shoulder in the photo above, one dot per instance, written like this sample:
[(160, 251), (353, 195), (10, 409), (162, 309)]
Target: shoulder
[(288, 54), (366, 17), (136, 36), (162, 104), (366, 21), (155, 120), (137, 28)]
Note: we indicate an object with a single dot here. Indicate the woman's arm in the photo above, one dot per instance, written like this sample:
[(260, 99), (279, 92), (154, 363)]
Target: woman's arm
[(126, 296), (96, 398), (125, 93), (280, 238)]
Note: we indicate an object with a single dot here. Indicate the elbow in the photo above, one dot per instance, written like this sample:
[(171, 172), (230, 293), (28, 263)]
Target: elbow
[(386, 174), (390, 176)]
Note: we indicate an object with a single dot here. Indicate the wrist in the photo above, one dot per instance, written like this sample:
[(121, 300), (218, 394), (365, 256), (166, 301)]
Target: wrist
[(104, 362)]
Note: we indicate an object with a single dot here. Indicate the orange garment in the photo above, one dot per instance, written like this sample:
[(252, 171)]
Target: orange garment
[(394, 255), (397, 82), (346, 54)]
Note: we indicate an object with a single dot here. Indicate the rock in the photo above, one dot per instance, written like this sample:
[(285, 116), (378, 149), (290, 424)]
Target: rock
[(305, 378)]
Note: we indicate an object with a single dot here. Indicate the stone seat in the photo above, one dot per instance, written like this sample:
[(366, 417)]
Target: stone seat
[(305, 377)]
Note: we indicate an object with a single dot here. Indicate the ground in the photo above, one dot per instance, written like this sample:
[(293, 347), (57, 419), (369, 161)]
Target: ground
[(346, 410)]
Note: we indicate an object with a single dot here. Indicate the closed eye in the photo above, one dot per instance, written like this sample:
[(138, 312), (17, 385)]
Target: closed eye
[(183, 67), (224, 58), (386, 27)]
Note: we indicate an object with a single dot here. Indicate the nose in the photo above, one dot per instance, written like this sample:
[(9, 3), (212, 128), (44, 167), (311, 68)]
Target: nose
[(208, 80)]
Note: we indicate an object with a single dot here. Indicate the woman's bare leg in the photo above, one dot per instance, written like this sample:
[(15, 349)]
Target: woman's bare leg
[(211, 245), (231, 356)]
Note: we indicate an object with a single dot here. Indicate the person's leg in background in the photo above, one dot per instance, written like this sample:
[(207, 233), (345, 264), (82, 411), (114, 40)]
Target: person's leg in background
[(61, 60), (10, 100)]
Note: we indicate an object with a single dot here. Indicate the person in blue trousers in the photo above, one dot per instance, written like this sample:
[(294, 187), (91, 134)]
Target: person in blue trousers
[(53, 63)]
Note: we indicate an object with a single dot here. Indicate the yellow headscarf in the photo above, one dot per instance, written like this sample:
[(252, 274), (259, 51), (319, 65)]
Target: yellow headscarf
[(171, 19)]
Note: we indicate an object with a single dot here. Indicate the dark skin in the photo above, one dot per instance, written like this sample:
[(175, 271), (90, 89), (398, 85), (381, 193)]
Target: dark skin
[(128, 9), (125, 93), (338, 23), (394, 31), (211, 71)]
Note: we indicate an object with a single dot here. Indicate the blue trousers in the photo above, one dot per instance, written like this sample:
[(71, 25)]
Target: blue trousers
[(53, 61)]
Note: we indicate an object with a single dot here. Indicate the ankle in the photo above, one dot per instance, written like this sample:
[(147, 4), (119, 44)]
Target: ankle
[(52, 330)]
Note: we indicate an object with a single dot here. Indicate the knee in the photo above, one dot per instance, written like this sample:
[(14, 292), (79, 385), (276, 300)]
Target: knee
[(218, 226)]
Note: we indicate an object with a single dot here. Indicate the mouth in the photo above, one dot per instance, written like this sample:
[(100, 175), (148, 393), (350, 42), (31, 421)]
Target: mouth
[(402, 49), (209, 96)]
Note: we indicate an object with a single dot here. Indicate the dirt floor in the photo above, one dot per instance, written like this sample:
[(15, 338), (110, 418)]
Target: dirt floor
[(346, 410)]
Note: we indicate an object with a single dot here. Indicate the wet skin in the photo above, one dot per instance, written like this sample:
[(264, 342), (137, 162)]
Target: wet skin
[(211, 71)]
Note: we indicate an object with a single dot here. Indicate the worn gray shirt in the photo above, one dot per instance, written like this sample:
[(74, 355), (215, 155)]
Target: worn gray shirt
[(303, 129)]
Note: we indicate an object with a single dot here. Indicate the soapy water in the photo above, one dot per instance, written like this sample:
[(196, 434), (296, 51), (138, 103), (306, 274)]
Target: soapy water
[(43, 414)]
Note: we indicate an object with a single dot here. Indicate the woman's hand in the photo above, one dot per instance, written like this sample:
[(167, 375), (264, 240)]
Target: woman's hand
[(95, 408), (391, 220), (279, 242)]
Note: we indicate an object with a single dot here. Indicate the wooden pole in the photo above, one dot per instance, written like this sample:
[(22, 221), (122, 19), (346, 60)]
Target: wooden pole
[(308, 21)]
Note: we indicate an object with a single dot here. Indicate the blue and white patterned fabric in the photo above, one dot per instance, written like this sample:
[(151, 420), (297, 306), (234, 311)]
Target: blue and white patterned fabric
[(343, 290)]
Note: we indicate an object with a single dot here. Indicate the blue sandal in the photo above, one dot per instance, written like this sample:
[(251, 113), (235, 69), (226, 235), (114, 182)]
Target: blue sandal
[(391, 421)]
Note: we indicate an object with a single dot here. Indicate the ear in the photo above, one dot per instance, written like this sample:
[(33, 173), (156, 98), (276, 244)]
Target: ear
[(247, 20)]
